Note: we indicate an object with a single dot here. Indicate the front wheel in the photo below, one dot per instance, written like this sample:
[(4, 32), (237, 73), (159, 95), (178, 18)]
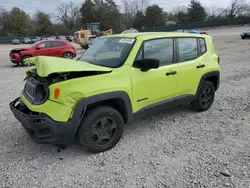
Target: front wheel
[(205, 97), (24, 63), (85, 47), (68, 55), (101, 129)]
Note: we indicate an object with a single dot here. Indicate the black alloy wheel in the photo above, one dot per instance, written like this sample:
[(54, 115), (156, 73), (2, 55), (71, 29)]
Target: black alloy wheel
[(205, 97), (101, 129)]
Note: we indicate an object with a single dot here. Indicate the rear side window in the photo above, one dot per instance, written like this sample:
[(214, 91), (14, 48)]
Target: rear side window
[(203, 47), (188, 49), (57, 44)]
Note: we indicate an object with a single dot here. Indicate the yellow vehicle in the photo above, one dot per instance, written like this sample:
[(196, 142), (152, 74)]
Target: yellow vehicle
[(90, 33)]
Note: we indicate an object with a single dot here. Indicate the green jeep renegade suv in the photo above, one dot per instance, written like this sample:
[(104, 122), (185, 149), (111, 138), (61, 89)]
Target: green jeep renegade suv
[(118, 79)]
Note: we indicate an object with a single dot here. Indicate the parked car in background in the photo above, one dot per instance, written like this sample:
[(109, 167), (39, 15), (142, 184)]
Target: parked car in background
[(196, 31), (131, 30), (61, 37), (52, 37), (56, 48), (27, 41), (70, 38), (16, 41), (36, 39), (245, 34)]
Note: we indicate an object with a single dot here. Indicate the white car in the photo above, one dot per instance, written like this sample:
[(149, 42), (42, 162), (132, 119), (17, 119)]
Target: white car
[(131, 30)]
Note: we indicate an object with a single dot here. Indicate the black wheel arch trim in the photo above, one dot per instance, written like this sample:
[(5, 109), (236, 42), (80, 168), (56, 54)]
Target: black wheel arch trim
[(83, 104), (207, 75)]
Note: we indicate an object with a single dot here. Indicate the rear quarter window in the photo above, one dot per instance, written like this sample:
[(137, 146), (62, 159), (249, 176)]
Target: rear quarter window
[(203, 47)]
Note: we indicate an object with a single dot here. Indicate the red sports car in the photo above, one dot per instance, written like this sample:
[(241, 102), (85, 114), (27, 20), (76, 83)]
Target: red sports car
[(56, 48)]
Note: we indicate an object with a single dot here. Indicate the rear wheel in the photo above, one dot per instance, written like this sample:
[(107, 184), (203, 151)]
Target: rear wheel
[(205, 97), (68, 55), (101, 129), (243, 37)]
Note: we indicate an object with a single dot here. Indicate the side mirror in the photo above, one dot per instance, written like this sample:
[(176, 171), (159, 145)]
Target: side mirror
[(38, 48), (147, 64)]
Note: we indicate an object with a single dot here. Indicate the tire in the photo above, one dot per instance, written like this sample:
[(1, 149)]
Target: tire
[(205, 97), (68, 55), (23, 63), (16, 65), (85, 47), (89, 134), (243, 37)]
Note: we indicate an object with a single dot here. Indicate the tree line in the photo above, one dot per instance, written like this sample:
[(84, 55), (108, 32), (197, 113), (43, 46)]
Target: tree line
[(69, 17)]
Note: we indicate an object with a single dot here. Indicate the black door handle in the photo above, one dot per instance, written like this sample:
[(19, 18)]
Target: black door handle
[(171, 73), (200, 66)]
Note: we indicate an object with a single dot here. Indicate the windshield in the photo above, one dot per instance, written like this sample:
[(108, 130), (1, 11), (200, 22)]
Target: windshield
[(108, 52), (33, 45)]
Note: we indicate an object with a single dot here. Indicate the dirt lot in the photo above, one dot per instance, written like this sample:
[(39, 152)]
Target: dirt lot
[(178, 148)]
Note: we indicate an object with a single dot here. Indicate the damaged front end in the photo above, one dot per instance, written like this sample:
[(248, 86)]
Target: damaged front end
[(47, 107), (50, 71), (15, 55)]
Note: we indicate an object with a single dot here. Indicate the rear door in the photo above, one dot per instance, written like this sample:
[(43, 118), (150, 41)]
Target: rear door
[(57, 48), (191, 64)]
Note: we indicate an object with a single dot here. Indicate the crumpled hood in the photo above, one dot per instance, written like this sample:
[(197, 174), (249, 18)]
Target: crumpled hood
[(46, 65), (19, 49)]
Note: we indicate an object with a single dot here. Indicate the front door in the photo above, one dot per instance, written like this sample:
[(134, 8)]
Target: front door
[(44, 49), (155, 85)]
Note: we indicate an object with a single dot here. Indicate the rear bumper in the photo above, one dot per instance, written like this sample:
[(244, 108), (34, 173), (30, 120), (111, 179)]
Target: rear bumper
[(41, 128)]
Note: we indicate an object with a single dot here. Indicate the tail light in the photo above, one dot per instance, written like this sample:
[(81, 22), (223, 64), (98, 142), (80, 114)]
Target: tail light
[(218, 60)]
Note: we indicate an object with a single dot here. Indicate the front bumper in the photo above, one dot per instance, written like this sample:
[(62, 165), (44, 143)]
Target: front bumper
[(41, 128), (15, 58)]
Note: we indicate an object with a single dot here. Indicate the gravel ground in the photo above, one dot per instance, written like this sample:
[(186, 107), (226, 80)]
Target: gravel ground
[(178, 148)]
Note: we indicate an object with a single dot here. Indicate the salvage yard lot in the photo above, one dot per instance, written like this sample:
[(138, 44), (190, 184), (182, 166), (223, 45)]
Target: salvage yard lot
[(178, 148)]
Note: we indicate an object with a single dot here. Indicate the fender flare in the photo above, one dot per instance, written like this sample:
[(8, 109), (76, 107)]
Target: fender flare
[(207, 75), (81, 106)]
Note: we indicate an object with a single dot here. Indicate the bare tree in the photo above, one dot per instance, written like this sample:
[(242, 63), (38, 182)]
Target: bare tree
[(236, 8), (4, 16), (68, 13), (142, 5), (129, 7), (215, 11)]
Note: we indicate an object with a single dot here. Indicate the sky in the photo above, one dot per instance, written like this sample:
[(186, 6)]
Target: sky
[(48, 6)]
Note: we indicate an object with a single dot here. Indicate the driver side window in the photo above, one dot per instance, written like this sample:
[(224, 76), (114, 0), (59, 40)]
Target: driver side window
[(161, 49), (44, 45)]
